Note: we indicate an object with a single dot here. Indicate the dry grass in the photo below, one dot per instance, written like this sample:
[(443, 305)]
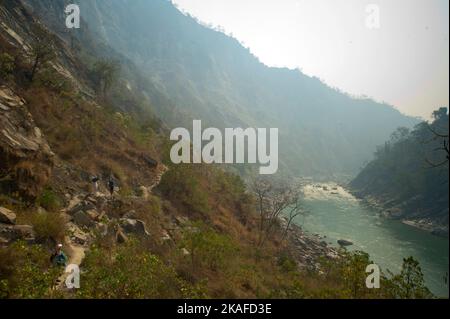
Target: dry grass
[(91, 138)]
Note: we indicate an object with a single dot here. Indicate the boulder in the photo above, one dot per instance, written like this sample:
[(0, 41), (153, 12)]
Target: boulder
[(93, 214), (150, 161), (77, 235), (181, 220), (79, 238), (74, 202), (80, 206), (82, 219), (344, 242), (134, 226), (91, 199), (7, 216)]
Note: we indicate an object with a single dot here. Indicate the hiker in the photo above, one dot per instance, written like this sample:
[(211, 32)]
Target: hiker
[(111, 186), (95, 180), (59, 258)]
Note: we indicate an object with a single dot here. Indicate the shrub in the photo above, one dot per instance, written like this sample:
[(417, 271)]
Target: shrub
[(6, 65), (129, 271), (154, 205), (26, 272), (48, 226), (49, 200), (208, 248), (286, 263), (53, 80), (182, 185)]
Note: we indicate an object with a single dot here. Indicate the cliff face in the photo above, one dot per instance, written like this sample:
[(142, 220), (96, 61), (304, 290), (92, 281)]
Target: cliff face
[(26, 160)]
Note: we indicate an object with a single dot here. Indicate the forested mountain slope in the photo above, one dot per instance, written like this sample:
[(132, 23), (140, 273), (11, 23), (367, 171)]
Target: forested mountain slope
[(409, 175)]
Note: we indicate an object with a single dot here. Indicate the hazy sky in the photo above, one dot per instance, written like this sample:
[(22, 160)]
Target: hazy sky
[(404, 62)]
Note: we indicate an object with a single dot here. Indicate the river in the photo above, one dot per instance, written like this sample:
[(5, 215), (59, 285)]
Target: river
[(336, 214)]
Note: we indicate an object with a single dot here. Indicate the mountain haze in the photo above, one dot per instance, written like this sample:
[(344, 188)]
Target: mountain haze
[(208, 75)]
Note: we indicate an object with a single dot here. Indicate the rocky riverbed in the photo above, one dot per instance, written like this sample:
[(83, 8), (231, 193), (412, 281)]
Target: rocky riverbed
[(307, 249)]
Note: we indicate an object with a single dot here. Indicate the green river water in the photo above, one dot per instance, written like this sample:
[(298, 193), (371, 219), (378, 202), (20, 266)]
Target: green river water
[(336, 214)]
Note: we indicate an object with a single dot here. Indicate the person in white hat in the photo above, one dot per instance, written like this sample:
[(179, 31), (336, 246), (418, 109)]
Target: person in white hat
[(59, 258)]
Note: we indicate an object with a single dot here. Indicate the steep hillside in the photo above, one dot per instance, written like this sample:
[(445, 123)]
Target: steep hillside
[(408, 179), (180, 231), (207, 75)]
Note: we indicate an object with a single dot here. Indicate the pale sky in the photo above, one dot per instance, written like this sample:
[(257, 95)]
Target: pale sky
[(405, 62)]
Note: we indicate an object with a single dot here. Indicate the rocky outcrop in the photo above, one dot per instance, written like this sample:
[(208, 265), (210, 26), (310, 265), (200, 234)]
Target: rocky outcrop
[(160, 171), (26, 160)]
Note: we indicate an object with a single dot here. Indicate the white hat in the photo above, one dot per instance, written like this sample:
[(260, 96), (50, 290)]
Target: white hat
[(59, 245)]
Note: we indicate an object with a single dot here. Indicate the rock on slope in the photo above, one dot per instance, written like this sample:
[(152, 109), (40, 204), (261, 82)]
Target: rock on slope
[(26, 160)]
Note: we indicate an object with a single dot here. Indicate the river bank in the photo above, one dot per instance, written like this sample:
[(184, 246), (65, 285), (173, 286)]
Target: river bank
[(336, 214), (308, 248), (397, 212)]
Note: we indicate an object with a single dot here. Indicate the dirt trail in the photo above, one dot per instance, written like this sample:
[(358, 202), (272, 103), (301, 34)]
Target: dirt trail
[(76, 256), (76, 253)]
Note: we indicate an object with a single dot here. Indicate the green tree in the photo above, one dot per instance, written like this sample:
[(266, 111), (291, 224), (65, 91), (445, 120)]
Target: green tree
[(6, 65), (42, 52), (410, 283), (104, 74)]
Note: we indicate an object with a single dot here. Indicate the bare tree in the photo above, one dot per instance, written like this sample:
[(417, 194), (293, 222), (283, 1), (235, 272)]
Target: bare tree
[(273, 199), (443, 147), (261, 188), (296, 209)]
